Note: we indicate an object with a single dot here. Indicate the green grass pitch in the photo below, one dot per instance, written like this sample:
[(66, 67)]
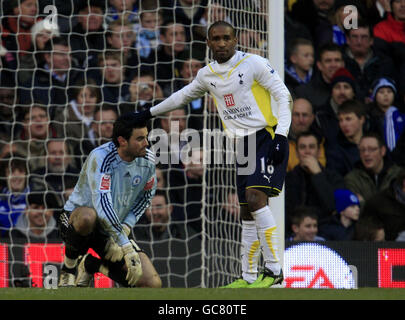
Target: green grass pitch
[(199, 294)]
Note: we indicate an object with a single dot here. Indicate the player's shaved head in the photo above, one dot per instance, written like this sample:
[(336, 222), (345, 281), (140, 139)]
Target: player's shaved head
[(221, 23), (222, 41)]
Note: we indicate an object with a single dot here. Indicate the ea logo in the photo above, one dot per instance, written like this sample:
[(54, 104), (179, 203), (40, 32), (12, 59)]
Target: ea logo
[(136, 180), (316, 266)]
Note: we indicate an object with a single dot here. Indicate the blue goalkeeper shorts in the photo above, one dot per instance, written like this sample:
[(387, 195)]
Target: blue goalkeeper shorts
[(262, 175)]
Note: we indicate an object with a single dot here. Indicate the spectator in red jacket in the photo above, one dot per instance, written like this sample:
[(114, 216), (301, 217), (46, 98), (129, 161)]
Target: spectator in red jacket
[(16, 29), (22, 16), (390, 39), (392, 29)]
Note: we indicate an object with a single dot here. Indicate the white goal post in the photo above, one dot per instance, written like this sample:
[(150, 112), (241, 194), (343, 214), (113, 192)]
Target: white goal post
[(276, 55)]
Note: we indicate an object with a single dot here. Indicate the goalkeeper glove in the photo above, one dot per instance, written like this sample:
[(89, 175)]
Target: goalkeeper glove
[(133, 262), (113, 251), (280, 147)]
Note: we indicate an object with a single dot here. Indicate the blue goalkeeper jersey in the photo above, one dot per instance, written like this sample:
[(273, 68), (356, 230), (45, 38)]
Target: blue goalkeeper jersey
[(119, 191)]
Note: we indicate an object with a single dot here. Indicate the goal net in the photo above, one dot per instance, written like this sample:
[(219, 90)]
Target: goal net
[(222, 233), (68, 69)]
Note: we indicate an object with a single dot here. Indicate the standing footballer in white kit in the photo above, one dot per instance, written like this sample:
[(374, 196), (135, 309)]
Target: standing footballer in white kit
[(115, 186), (242, 85)]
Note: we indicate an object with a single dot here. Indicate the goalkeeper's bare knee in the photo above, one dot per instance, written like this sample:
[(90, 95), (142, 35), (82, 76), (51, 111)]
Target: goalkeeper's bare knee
[(150, 277), (83, 220)]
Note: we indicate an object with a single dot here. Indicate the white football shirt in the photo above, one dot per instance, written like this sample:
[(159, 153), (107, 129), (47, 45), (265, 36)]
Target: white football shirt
[(241, 88)]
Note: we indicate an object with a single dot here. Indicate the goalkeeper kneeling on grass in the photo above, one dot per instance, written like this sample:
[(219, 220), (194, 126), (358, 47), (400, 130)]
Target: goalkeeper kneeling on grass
[(115, 186)]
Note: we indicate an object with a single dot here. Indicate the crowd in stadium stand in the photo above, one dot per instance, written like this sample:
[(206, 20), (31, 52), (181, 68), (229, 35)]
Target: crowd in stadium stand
[(63, 85)]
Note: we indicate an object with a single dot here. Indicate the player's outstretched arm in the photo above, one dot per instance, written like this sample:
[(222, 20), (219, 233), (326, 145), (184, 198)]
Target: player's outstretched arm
[(190, 92), (176, 100)]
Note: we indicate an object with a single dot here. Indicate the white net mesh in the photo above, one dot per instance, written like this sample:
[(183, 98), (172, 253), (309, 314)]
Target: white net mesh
[(68, 69), (222, 225)]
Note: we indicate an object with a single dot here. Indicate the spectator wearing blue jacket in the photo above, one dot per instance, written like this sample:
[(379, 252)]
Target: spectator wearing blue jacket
[(13, 193), (342, 224), (387, 118)]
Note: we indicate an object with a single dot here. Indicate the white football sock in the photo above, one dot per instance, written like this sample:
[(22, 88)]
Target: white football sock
[(250, 250), (266, 229)]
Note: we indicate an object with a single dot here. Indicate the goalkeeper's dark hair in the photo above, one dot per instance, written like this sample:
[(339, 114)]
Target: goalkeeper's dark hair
[(124, 126), (221, 23)]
